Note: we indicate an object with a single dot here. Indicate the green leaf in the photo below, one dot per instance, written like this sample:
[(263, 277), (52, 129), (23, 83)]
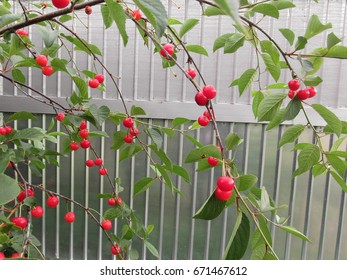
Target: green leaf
[(318, 169), (198, 153), (152, 249), (82, 45), (194, 141), (112, 213), (142, 185), (9, 189), (187, 26), (315, 27), (197, 49), (300, 43), (118, 14), (238, 241), (246, 181), (163, 156), (18, 76), (332, 120), (312, 81), (246, 80), (337, 163), (98, 134), (232, 140), (33, 133), (220, 41), (291, 134), (49, 36), (339, 180), (173, 21), (135, 111), (269, 48), (82, 87), (213, 11), (156, 136), (211, 209), (288, 34), (277, 119), (129, 151), (337, 52), (273, 68), (65, 18), (9, 18), (155, 11), (307, 158), (99, 114), (178, 121), (22, 115), (295, 232), (269, 106), (166, 177), (283, 4), (234, 42), (182, 172), (266, 9), (292, 110), (106, 16), (264, 201), (258, 97), (332, 40)]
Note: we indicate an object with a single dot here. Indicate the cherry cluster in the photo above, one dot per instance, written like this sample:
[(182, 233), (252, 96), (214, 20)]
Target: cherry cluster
[(5, 130), (301, 94), (42, 61)]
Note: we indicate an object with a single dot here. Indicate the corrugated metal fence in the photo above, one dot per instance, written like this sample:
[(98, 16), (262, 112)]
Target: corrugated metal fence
[(316, 207)]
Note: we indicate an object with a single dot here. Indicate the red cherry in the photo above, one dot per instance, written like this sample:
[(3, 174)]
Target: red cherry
[(21, 222), (93, 83), (209, 91), (291, 94), (208, 115), (2, 130), (103, 171), (136, 14), (225, 183), (201, 99), (128, 122), (222, 195), (52, 201), (85, 144), (203, 121), (15, 256), (128, 139), (60, 117), (169, 48), (74, 146), (42, 60), (8, 129), (119, 200), (22, 195), (69, 217), (134, 131), (312, 92), (60, 3), (98, 161), (88, 10), (303, 94), (89, 162), (294, 84), (111, 201), (47, 70), (84, 133), (100, 78), (22, 32), (2, 256), (212, 161), (191, 72), (106, 225), (115, 249), (37, 211), (83, 125)]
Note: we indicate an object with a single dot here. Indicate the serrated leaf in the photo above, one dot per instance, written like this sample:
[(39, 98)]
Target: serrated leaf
[(142, 185), (266, 9), (269, 106), (98, 134), (312, 81), (307, 158), (182, 172), (269, 48), (65, 18), (292, 110), (106, 16), (33, 133), (99, 114), (283, 4), (112, 213), (238, 241), (295, 232), (155, 11), (49, 36), (213, 11), (82, 87), (129, 151), (232, 140), (118, 14), (22, 115), (277, 119), (234, 42), (339, 180), (337, 52), (178, 121), (18, 76), (194, 141), (246, 80), (156, 136), (315, 27), (135, 111), (197, 154), (220, 41), (273, 69), (163, 156), (246, 181), (9, 189), (288, 34), (300, 43), (318, 169), (332, 40), (337, 163), (211, 209), (187, 26), (197, 49), (332, 120), (152, 249), (9, 18), (291, 134), (258, 97)]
